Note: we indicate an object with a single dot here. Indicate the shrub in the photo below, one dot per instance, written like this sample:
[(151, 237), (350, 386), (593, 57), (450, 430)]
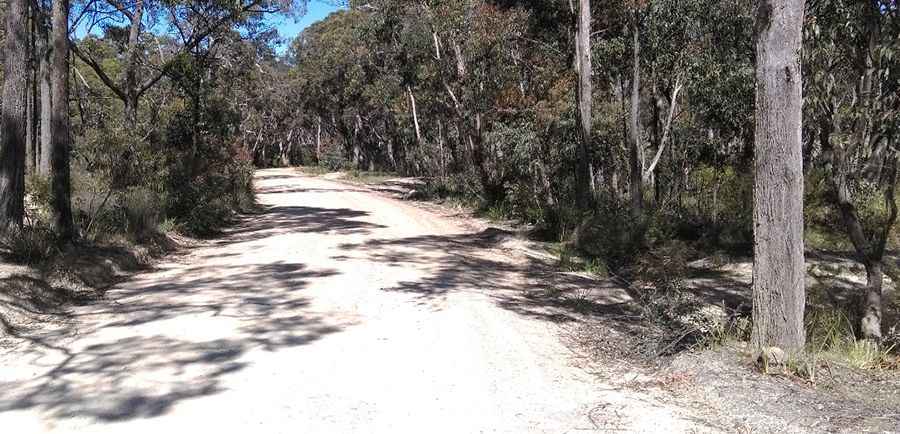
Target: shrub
[(678, 319), (612, 235), (141, 208), (207, 217), (333, 159), (30, 244)]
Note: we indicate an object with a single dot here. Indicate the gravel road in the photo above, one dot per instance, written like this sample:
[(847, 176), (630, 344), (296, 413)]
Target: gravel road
[(335, 310)]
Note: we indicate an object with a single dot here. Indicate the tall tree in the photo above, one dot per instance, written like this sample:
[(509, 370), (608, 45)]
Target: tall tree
[(61, 201), (778, 265), (12, 146), (42, 47), (143, 68), (855, 108), (636, 148), (31, 91), (584, 98)]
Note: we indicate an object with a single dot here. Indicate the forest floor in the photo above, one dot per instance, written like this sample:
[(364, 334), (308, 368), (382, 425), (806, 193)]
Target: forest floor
[(341, 308)]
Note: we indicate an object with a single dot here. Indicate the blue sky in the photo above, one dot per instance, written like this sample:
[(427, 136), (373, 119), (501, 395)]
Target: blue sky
[(288, 28)]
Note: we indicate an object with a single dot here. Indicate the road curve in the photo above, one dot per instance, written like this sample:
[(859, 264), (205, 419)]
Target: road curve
[(336, 310)]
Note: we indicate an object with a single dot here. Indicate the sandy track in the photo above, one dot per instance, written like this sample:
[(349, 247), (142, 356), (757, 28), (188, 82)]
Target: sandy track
[(336, 310)]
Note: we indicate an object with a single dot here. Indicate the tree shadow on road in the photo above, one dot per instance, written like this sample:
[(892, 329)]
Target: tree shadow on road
[(278, 220), (174, 335), (120, 375), (480, 262)]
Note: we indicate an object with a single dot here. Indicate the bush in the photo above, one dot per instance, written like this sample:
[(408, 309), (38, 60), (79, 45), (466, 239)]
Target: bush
[(334, 160), (718, 211), (612, 235), (207, 217), (678, 319), (30, 244), (141, 208)]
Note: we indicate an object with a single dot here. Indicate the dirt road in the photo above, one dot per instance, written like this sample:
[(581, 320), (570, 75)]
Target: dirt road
[(336, 310)]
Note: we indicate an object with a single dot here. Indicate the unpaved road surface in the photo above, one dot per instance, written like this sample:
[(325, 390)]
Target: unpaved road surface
[(335, 310)]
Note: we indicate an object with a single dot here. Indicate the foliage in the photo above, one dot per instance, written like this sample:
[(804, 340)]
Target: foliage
[(29, 244)]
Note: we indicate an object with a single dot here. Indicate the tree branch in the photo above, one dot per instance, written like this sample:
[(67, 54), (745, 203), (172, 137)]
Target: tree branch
[(193, 41), (86, 58)]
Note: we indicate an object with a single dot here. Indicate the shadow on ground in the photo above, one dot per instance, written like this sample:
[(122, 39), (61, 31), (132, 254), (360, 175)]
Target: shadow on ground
[(477, 262), (174, 335), (277, 220)]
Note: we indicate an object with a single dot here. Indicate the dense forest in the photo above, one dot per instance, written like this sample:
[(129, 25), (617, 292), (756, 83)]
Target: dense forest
[(618, 126)]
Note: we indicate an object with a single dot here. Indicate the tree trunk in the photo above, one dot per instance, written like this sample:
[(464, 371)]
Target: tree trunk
[(779, 269), (43, 43), (584, 99), (61, 200), (415, 115), (661, 142), (636, 182), (870, 324), (131, 64), (318, 140), (12, 145), (869, 249), (30, 91)]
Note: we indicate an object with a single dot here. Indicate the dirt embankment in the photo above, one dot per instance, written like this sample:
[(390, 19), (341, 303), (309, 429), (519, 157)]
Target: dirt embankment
[(37, 300)]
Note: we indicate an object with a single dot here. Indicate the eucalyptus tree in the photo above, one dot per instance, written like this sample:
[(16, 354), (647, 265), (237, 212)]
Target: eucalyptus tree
[(12, 143), (145, 61), (854, 93), (584, 97), (779, 271), (61, 188)]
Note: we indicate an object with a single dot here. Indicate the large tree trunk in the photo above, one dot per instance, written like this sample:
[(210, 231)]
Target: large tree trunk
[(43, 49), (61, 200), (31, 90), (584, 96), (778, 265), (12, 145)]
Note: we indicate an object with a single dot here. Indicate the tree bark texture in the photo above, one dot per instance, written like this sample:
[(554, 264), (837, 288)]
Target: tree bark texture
[(12, 144), (636, 159), (583, 194), (778, 266), (46, 103), (61, 197)]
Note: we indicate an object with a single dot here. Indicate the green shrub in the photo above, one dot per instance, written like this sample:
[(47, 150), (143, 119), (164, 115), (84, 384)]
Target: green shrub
[(677, 318), (141, 208), (612, 235), (30, 244), (334, 160), (207, 218), (166, 226)]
